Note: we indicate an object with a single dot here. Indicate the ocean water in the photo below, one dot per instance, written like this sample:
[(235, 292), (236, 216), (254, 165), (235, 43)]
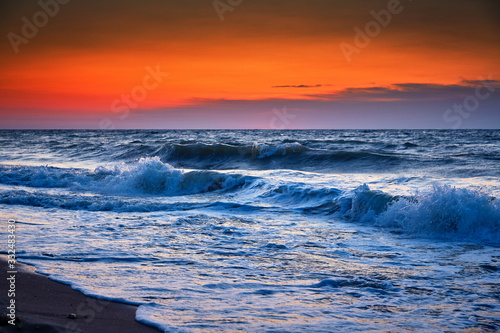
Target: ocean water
[(265, 231)]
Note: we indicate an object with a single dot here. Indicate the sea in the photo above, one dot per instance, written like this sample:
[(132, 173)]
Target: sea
[(265, 230)]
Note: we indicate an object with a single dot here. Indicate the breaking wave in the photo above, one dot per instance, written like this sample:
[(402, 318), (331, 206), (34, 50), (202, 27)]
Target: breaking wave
[(149, 176), (442, 212), (446, 211)]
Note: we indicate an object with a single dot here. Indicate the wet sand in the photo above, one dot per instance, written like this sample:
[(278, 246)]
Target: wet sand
[(43, 305)]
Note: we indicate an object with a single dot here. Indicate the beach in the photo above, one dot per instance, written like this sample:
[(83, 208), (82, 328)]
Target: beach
[(43, 305), (254, 231)]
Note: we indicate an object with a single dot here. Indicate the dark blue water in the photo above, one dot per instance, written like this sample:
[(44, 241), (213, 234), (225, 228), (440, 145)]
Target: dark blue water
[(279, 231)]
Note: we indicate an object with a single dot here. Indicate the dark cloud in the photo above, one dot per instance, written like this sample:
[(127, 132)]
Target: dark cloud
[(410, 91), (337, 113), (402, 105), (483, 81), (300, 86)]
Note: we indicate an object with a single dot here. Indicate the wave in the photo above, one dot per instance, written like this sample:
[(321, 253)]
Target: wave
[(298, 195), (287, 154), (469, 153), (256, 150), (111, 204), (227, 156), (442, 212), (290, 155), (81, 202), (363, 204), (149, 176), (354, 283), (446, 211)]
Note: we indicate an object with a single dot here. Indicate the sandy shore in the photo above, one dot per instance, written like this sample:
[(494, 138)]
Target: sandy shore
[(43, 305)]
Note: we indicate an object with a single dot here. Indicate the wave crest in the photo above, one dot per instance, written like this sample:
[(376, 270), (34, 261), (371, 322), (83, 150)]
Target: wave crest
[(149, 176), (446, 211)]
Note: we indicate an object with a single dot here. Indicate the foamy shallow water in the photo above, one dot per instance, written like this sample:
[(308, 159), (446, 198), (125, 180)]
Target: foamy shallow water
[(270, 249), (228, 271)]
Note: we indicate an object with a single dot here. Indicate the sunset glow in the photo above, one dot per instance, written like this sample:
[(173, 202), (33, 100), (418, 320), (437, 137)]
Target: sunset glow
[(260, 57)]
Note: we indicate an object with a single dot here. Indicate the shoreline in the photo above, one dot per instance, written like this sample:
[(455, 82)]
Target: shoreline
[(43, 305)]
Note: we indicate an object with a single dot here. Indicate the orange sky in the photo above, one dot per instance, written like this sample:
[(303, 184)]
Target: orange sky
[(90, 54)]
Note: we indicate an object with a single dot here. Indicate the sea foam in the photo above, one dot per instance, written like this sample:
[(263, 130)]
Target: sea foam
[(446, 211), (149, 176), (442, 211)]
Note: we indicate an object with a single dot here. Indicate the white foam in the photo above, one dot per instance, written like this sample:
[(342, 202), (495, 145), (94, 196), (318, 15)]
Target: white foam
[(446, 211), (149, 176)]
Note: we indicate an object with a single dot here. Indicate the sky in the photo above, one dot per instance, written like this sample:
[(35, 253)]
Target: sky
[(274, 64)]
